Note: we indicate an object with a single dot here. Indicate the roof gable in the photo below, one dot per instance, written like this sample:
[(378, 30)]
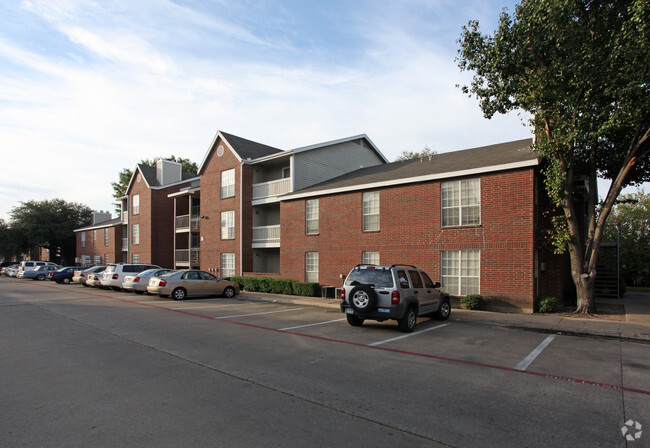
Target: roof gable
[(243, 149), (149, 174)]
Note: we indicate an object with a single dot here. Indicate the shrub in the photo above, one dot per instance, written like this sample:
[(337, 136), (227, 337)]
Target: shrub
[(473, 302), (547, 305), (306, 289)]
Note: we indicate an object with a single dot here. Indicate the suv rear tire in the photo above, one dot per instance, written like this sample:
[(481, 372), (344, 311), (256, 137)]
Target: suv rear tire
[(363, 298), (407, 323), (353, 320)]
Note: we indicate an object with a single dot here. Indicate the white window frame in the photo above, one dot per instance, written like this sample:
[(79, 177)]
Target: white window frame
[(370, 257), (227, 265), (105, 237), (460, 202), (83, 239), (228, 225), (135, 206), (228, 183), (135, 234), (461, 271), (311, 267), (135, 258), (94, 238), (312, 216), (371, 211)]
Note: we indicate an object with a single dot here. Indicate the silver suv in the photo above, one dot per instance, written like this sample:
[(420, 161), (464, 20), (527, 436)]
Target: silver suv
[(399, 292)]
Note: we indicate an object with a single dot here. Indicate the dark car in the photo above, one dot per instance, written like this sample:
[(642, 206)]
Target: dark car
[(63, 275)]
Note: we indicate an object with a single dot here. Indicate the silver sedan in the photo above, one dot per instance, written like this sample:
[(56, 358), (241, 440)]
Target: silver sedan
[(191, 283), (138, 282)]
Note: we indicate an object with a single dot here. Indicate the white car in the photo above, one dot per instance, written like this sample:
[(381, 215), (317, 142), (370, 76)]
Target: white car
[(80, 276), (114, 274), (138, 283)]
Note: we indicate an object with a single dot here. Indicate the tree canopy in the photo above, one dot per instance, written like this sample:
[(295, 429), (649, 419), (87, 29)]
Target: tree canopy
[(124, 176), (581, 69), (407, 155)]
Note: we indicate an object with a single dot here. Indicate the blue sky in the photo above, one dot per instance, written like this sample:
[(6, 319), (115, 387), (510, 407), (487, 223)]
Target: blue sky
[(88, 88)]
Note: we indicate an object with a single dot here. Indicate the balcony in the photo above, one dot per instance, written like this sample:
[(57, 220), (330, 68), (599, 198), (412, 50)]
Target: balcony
[(125, 244), (188, 257), (189, 222), (271, 189), (125, 217), (266, 236)]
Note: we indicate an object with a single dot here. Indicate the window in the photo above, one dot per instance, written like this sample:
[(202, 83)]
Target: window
[(461, 271), (135, 258), (228, 183), (83, 239), (311, 267), (135, 234), (227, 265), (94, 238), (135, 208), (370, 257), (105, 237), (371, 211), (105, 259), (227, 225), (461, 202), (311, 216)]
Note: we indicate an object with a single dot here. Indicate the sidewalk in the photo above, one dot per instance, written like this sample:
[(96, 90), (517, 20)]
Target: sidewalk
[(635, 327)]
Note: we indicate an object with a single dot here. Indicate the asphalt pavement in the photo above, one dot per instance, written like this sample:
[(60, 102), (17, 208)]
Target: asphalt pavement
[(635, 326)]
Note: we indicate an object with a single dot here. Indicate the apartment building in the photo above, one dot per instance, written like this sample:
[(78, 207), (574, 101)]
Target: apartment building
[(99, 243)]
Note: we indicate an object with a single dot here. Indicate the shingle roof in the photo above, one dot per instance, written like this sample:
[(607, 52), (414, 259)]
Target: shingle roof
[(456, 163), (111, 223), (149, 173), (248, 149)]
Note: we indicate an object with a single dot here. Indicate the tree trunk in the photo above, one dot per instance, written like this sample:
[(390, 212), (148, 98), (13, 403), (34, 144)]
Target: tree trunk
[(585, 292)]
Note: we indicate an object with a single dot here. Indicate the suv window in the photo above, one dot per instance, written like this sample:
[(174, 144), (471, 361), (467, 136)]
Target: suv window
[(403, 279), (428, 283), (379, 278), (415, 279), (111, 268)]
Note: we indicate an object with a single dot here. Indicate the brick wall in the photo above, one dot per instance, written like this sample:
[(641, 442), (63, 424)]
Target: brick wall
[(411, 232)]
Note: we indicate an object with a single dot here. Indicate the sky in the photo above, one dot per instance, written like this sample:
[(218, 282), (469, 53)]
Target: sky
[(88, 88)]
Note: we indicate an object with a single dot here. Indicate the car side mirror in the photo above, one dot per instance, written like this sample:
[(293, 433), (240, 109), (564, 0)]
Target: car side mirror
[(437, 285)]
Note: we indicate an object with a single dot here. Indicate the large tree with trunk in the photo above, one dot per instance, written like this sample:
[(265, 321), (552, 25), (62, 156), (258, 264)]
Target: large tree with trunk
[(580, 70)]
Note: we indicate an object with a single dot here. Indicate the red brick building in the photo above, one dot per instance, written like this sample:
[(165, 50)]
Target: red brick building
[(99, 243)]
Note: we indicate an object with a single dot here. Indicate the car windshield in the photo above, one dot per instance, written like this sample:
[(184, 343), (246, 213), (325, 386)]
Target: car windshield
[(380, 278), (148, 272), (111, 268), (169, 274)]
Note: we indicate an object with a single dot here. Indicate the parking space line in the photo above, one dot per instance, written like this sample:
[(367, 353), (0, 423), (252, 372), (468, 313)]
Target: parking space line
[(374, 344), (311, 325), (255, 314), (210, 306), (527, 361)]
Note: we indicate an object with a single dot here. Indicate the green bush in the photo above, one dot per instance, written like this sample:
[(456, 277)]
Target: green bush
[(473, 302), (281, 286), (276, 286), (306, 289), (548, 305)]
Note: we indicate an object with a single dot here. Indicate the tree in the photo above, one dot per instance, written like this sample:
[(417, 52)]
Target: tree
[(408, 155), (124, 177), (12, 242), (50, 224), (631, 217), (580, 69)]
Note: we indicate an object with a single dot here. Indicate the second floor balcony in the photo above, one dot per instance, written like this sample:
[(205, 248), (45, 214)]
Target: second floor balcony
[(271, 189), (266, 236), (189, 222)]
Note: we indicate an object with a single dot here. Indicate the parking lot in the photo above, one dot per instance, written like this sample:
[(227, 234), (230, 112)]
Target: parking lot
[(449, 383)]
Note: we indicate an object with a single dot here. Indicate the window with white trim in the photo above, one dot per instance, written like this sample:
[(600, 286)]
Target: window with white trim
[(135, 206), (311, 216), (135, 258), (94, 238), (83, 239), (311, 267), (105, 237), (135, 234), (228, 225), (371, 211), (370, 257), (228, 183), (461, 271), (106, 259), (461, 202), (227, 265)]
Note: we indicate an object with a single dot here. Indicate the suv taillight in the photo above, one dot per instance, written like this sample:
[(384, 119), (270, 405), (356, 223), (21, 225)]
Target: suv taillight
[(116, 276), (343, 294), (395, 298)]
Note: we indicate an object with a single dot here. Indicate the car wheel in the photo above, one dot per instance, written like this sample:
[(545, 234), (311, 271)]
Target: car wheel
[(363, 298), (353, 320), (229, 292), (66, 281), (443, 311), (407, 323), (179, 294), (40, 277)]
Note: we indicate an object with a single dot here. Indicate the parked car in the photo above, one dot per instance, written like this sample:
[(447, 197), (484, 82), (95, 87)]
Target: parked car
[(62, 275), (138, 283), (38, 273), (31, 265), (81, 275), (190, 283), (11, 271), (114, 274), (94, 280), (399, 292), (5, 269)]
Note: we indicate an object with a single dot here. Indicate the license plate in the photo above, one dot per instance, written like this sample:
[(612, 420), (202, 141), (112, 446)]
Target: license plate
[(383, 310), (349, 311)]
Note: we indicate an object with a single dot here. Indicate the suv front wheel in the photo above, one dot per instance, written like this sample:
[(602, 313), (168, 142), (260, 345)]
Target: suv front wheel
[(363, 298)]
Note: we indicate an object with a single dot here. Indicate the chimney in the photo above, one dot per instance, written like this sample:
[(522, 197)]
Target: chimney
[(100, 216), (168, 172)]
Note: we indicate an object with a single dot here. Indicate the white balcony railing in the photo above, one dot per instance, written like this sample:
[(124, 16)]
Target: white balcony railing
[(125, 244), (188, 256), (271, 189), (266, 234), (125, 217)]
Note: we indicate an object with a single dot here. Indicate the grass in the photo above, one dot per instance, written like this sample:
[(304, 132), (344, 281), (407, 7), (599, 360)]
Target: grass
[(638, 289)]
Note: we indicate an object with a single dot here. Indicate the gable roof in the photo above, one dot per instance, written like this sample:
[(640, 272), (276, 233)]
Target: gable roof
[(149, 175), (360, 137), (499, 157), (102, 225), (244, 149)]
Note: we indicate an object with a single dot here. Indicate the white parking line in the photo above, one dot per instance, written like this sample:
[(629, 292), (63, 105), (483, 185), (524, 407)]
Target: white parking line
[(311, 325), (407, 335), (209, 306), (256, 314), (523, 365)]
